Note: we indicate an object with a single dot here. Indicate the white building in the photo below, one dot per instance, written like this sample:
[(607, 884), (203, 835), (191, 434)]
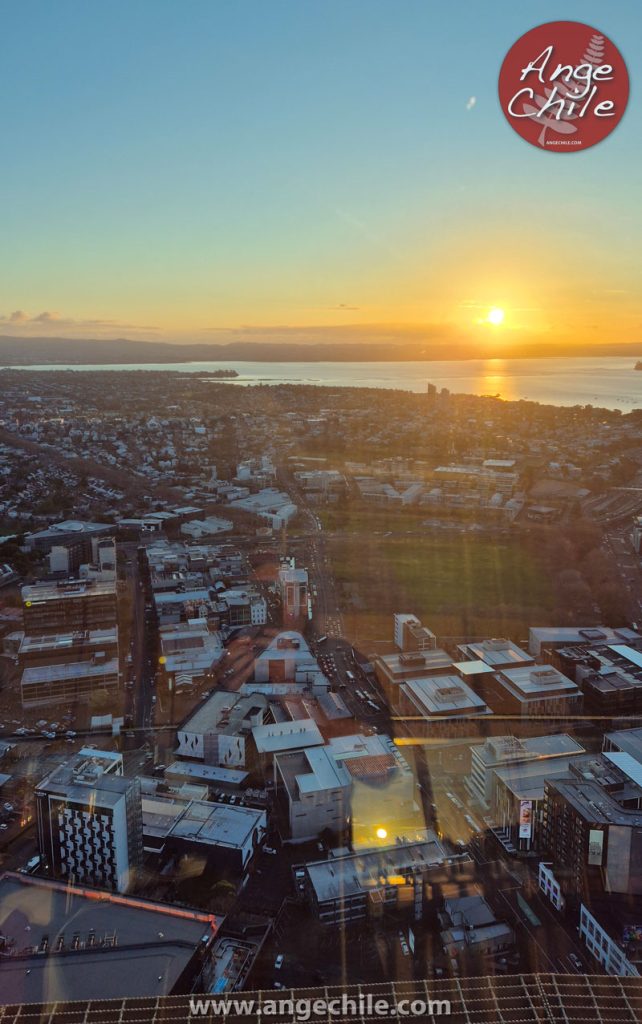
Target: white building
[(509, 751), (607, 943), (359, 781), (218, 731), (190, 652), (209, 527), (89, 821), (549, 885), (287, 659), (410, 635), (274, 506)]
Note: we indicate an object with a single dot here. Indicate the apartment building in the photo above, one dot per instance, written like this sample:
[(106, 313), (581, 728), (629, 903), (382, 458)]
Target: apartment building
[(89, 821)]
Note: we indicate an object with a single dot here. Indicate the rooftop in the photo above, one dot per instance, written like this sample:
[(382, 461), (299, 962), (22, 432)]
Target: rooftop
[(224, 712), (628, 740), (342, 877), (287, 736), (66, 590), (60, 642), (399, 667), (72, 670), (500, 749), (531, 682), (126, 947), (496, 653), (443, 695), (206, 773), (200, 821)]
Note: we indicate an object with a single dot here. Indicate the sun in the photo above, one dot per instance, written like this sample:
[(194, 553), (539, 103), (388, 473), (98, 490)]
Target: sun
[(495, 316)]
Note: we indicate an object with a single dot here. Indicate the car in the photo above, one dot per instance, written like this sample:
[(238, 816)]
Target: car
[(8, 807), (575, 960), (278, 963), (3, 826), (405, 949), (269, 849)]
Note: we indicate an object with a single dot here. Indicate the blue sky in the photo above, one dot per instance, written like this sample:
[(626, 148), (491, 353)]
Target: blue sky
[(182, 169)]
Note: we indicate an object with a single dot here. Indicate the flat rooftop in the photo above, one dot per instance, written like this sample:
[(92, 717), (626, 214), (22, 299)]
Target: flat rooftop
[(200, 821), (96, 787), (127, 947), (496, 653), (223, 712), (338, 878), (502, 749), (60, 642), (562, 635), (628, 740), (308, 771), (69, 670), (411, 664), (443, 695), (472, 668), (526, 781), (535, 681), (68, 590), (206, 773), (591, 786), (287, 736)]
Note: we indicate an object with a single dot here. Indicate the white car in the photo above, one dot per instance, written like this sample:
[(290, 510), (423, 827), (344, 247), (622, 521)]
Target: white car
[(278, 963)]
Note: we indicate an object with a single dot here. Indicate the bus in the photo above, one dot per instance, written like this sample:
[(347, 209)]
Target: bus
[(322, 639)]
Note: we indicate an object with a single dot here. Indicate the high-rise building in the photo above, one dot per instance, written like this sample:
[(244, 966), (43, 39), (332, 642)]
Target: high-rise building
[(592, 826), (90, 821)]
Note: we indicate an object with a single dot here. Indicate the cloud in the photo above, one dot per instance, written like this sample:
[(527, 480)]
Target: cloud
[(57, 325), (344, 305), (46, 318), (472, 100)]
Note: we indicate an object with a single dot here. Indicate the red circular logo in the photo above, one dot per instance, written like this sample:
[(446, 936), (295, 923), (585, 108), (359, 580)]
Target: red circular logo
[(563, 86)]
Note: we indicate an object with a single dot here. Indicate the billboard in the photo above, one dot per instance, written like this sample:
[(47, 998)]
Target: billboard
[(525, 819), (596, 845)]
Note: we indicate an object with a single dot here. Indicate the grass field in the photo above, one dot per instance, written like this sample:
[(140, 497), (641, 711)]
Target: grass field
[(459, 584)]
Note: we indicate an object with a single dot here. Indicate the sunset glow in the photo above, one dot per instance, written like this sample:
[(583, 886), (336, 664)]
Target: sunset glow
[(495, 316)]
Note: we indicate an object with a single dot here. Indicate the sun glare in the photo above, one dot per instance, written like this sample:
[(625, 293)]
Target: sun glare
[(495, 316)]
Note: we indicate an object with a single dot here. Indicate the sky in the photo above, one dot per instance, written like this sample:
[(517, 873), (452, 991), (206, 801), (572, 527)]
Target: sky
[(214, 170)]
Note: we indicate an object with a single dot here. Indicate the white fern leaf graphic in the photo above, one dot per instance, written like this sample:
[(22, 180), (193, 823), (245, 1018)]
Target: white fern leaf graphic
[(593, 55)]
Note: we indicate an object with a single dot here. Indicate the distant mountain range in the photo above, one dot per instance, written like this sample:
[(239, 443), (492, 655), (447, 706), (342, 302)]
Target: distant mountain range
[(15, 351)]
